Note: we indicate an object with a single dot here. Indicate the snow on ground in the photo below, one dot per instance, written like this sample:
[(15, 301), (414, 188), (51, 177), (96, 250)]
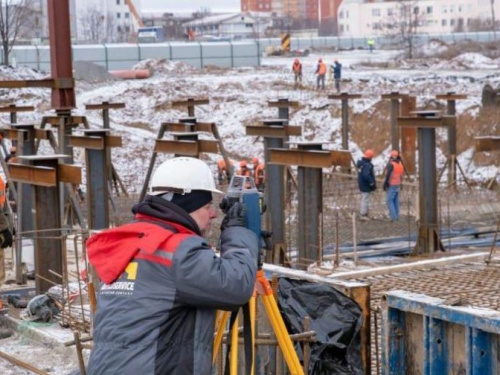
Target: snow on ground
[(239, 97)]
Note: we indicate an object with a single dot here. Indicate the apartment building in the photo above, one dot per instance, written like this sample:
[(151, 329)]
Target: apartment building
[(358, 18), (256, 6)]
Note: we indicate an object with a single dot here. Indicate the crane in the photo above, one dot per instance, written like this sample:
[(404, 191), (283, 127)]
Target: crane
[(134, 12)]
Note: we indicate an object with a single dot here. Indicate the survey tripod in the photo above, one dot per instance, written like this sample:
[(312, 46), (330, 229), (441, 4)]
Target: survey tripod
[(243, 189)]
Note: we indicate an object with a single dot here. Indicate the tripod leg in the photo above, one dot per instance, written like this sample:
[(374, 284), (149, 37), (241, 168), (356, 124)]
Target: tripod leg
[(220, 325), (252, 305), (281, 332), (233, 364)]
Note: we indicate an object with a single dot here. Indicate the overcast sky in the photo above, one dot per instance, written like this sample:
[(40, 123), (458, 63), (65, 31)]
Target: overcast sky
[(191, 5)]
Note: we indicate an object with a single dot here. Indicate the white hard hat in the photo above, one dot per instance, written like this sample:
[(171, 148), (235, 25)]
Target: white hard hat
[(182, 173)]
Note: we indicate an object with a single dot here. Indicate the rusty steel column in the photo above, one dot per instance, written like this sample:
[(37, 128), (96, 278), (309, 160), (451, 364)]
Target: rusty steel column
[(408, 136), (48, 243), (25, 191), (394, 97), (61, 62), (451, 110), (97, 183), (310, 207)]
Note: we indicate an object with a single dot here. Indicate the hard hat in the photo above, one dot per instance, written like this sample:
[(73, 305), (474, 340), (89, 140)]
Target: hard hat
[(243, 163), (320, 60), (296, 60), (394, 153), (369, 154), (182, 173), (255, 160), (13, 149)]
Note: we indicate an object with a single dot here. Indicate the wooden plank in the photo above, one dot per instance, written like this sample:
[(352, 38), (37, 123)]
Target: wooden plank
[(188, 148), (484, 144), (273, 131), (15, 109), (190, 102), (113, 141), (451, 96), (69, 120), (208, 146), (39, 176), (92, 143), (104, 105), (283, 103), (309, 159), (70, 173)]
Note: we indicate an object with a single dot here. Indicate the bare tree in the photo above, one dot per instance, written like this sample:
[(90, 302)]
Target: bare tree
[(96, 26), (493, 20), (14, 15), (403, 24)]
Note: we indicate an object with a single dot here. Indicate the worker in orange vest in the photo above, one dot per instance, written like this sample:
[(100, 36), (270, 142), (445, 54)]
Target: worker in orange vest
[(244, 170), (5, 233), (392, 184), (297, 71), (258, 173), (222, 170), (321, 72)]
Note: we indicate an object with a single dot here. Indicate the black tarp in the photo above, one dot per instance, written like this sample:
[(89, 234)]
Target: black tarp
[(334, 317)]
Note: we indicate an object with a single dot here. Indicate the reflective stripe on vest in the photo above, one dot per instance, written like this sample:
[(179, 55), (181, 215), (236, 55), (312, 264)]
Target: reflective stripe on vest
[(397, 172)]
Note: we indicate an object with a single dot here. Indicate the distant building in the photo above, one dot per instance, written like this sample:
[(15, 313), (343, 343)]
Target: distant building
[(371, 18), (232, 25), (172, 23), (256, 5)]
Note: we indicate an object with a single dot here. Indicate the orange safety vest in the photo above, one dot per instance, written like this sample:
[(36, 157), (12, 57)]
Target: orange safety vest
[(297, 67), (2, 192), (259, 174), (397, 172), (245, 172), (322, 68)]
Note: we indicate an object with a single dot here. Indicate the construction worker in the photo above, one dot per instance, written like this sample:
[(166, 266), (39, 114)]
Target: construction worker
[(5, 233), (222, 170), (244, 170), (392, 184), (371, 44), (366, 182), (12, 156), (258, 173), (337, 74), (162, 282), (320, 72), (297, 71)]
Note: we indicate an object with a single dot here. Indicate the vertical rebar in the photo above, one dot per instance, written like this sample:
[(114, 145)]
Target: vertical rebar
[(354, 238), (337, 238)]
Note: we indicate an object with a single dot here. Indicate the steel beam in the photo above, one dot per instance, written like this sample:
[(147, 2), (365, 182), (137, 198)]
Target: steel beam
[(395, 98), (274, 131), (187, 147), (283, 105), (485, 144), (344, 97), (190, 103), (61, 61), (408, 135)]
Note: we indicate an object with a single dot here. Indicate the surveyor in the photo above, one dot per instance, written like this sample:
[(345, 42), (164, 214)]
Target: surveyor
[(392, 184), (366, 182), (222, 170), (297, 72), (320, 74), (258, 173), (162, 281), (337, 74), (244, 170)]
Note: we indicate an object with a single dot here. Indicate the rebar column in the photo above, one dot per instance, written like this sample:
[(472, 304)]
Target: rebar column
[(97, 183), (310, 206), (61, 61)]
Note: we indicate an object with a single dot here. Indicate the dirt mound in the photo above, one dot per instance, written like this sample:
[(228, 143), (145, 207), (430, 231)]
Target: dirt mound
[(20, 73), (92, 73), (163, 66)]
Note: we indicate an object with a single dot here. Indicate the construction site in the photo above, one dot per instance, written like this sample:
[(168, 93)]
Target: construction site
[(412, 296)]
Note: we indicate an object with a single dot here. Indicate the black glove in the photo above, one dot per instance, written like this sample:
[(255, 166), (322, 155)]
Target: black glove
[(235, 216), (5, 238), (386, 186)]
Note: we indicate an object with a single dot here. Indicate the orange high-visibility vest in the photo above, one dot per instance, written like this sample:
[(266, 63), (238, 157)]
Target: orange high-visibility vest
[(2, 192), (322, 68), (297, 67), (245, 172), (397, 172), (259, 176)]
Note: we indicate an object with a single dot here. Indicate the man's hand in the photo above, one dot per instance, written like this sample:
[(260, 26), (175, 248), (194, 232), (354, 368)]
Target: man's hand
[(235, 216), (5, 238), (386, 186)]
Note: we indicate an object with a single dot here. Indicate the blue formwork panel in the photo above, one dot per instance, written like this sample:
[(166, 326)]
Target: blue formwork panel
[(156, 51), (441, 340)]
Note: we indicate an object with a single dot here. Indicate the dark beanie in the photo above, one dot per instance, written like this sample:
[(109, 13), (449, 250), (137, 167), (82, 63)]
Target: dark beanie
[(192, 201)]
